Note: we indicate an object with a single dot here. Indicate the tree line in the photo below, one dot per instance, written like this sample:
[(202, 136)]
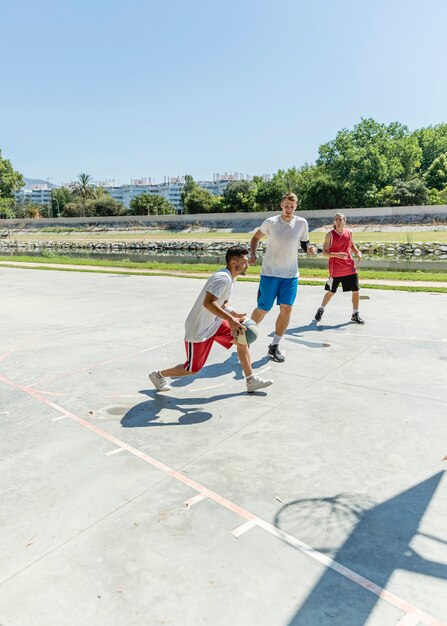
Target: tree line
[(371, 165)]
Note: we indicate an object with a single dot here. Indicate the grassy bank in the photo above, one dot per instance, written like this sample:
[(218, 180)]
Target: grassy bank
[(202, 268)]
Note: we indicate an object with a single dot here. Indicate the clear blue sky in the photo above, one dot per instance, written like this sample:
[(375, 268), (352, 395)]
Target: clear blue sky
[(142, 88)]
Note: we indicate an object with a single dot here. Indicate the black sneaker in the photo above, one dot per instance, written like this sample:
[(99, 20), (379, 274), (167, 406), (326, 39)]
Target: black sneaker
[(319, 314), (275, 354), (357, 319)]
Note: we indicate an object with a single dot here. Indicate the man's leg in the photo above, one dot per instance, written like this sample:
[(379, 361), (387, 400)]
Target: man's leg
[(326, 299), (226, 339), (355, 308), (258, 315), (159, 381), (287, 290), (253, 382), (267, 291), (283, 319), (196, 356)]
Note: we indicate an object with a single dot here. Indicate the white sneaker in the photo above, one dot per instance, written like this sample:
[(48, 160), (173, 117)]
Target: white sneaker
[(160, 383), (257, 383)]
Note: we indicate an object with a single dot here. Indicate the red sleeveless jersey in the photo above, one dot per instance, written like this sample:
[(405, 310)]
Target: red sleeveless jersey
[(341, 243)]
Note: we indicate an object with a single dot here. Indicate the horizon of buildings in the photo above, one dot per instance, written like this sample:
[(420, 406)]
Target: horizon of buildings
[(170, 188)]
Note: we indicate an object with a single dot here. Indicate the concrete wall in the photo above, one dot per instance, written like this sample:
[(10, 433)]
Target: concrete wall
[(211, 219)]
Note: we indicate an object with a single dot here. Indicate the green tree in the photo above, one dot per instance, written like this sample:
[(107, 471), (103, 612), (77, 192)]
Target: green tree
[(7, 208), (239, 195), (200, 200), (149, 204), (83, 190), (410, 192), (436, 175), (59, 198), (368, 158), (436, 196), (268, 193), (105, 206), (322, 192), (433, 142), (10, 180), (188, 187)]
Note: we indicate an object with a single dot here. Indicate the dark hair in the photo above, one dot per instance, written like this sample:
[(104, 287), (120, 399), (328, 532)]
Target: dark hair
[(235, 251)]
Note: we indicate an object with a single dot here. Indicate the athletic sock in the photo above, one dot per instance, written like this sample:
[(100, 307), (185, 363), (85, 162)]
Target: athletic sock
[(249, 378), (355, 311), (322, 306), (276, 339)]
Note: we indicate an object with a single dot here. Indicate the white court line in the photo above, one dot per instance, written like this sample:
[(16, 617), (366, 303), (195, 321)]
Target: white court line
[(240, 530), (381, 337), (194, 389), (383, 594), (114, 395), (95, 365), (192, 501), (61, 417), (116, 451), (410, 619), (51, 393)]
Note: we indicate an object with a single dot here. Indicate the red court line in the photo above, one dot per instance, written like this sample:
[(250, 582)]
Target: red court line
[(387, 596)]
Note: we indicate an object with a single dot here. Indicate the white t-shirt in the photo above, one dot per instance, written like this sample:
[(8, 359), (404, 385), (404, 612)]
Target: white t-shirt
[(281, 256), (200, 323)]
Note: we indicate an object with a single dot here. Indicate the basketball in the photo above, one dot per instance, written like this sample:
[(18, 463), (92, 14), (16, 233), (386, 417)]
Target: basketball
[(251, 333)]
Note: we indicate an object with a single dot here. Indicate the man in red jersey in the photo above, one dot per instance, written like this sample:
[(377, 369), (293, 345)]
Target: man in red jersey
[(337, 246)]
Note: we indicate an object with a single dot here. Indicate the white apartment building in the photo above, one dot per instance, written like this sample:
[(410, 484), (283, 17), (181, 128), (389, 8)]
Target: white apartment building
[(38, 194), (170, 188)]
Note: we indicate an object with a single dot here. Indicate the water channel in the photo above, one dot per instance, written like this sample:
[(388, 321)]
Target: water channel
[(394, 263)]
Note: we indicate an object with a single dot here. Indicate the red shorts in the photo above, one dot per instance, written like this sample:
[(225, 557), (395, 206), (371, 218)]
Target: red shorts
[(197, 353)]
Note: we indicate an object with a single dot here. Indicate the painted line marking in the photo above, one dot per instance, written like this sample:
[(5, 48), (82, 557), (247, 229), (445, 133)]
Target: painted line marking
[(240, 530), (410, 619), (91, 367), (387, 596), (61, 417), (50, 393), (192, 501), (134, 395), (116, 451), (195, 389)]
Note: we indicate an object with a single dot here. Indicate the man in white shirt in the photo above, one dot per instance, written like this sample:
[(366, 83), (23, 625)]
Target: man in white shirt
[(213, 319), (279, 272)]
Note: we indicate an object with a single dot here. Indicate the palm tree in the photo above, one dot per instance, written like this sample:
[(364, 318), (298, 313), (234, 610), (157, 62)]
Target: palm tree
[(83, 189)]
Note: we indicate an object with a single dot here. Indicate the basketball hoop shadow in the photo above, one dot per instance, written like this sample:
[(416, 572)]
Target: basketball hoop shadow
[(372, 541)]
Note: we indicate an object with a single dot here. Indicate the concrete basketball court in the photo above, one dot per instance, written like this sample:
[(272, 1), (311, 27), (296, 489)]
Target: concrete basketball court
[(321, 500)]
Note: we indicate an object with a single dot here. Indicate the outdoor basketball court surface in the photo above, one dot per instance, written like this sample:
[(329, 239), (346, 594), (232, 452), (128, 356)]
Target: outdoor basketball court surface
[(321, 500)]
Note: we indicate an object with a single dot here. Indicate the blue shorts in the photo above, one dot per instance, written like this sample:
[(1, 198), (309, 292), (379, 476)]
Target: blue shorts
[(271, 287)]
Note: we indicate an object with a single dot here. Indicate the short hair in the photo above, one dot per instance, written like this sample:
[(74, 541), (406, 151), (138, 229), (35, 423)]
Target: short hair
[(290, 196), (235, 251)]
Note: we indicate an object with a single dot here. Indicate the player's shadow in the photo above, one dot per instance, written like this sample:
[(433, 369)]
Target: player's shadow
[(214, 370), (191, 412), (315, 326)]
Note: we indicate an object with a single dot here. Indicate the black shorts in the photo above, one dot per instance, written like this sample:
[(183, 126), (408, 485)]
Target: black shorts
[(349, 283)]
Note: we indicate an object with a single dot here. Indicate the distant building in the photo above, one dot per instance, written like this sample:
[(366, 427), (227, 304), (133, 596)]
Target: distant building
[(38, 194), (170, 188)]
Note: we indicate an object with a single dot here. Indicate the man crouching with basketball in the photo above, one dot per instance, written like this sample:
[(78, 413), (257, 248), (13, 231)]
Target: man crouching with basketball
[(213, 319)]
